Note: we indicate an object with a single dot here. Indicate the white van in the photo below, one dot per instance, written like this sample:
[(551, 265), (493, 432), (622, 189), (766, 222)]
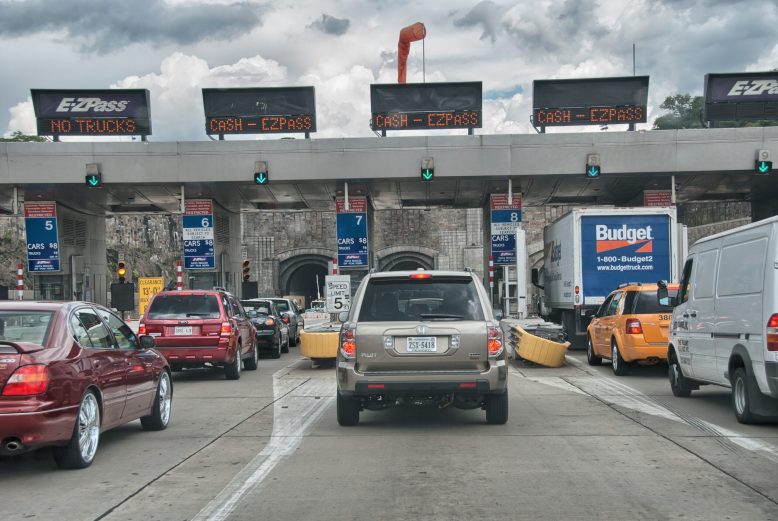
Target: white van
[(725, 322)]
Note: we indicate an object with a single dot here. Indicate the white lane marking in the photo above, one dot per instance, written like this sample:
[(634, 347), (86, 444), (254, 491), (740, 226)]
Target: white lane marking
[(293, 417), (551, 381), (616, 393)]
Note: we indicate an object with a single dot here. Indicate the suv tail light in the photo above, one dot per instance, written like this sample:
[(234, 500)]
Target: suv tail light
[(28, 380), (141, 329), (772, 333), (348, 345), (634, 327), (226, 329), (420, 275), (494, 340)]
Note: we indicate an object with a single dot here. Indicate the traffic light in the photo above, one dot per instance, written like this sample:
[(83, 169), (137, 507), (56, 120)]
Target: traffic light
[(427, 169), (93, 178), (593, 165), (261, 174), (121, 272), (246, 269), (763, 167)]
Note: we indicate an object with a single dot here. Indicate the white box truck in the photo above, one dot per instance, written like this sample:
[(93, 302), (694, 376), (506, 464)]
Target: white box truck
[(589, 252)]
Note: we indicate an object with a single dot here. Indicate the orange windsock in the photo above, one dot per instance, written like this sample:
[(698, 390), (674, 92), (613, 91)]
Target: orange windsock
[(412, 33)]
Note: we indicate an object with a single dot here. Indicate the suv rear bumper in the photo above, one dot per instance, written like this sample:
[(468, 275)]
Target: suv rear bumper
[(494, 380)]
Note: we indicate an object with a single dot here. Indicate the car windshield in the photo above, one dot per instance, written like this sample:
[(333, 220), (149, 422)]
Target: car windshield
[(260, 306), (25, 326), (184, 306), (647, 303), (397, 300), (282, 305)]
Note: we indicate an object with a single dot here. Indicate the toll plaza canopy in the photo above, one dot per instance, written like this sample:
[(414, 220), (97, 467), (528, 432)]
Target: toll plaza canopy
[(305, 174)]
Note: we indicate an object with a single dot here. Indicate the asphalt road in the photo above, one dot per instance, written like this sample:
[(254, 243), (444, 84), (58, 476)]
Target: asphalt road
[(580, 444)]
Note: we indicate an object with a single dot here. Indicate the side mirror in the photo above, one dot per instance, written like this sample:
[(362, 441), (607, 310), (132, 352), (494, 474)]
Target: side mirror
[(498, 314), (663, 295), (343, 316), (147, 342)]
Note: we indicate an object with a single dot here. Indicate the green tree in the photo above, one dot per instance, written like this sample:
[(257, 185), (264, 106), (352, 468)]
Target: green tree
[(683, 111), (19, 136)]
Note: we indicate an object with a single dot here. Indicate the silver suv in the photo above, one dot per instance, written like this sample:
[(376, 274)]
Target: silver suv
[(419, 338)]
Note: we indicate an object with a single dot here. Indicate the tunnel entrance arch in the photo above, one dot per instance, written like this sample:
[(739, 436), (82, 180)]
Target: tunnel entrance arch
[(299, 270), (401, 258)]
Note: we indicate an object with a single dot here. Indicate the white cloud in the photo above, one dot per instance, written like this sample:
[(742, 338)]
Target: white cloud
[(22, 118)]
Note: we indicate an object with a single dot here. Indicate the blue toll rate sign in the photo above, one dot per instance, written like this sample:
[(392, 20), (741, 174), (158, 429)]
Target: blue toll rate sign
[(352, 233), (506, 219), (40, 220), (198, 235)]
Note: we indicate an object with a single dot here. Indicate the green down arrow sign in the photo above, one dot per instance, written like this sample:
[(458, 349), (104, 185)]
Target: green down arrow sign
[(93, 180), (427, 174)]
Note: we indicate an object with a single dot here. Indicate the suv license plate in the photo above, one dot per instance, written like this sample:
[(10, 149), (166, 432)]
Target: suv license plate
[(422, 344), (183, 330)]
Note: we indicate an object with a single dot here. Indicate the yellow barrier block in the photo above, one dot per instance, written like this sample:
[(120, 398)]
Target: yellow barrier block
[(539, 350), (319, 345)]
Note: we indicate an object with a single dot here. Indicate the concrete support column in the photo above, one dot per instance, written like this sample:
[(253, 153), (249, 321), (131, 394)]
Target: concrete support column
[(764, 208)]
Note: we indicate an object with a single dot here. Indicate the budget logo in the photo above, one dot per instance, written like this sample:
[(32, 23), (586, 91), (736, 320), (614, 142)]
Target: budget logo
[(636, 239)]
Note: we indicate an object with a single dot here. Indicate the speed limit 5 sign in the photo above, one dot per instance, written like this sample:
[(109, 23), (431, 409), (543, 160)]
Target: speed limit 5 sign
[(338, 292)]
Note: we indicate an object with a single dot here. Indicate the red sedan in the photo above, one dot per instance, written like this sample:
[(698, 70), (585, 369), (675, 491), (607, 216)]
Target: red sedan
[(71, 370)]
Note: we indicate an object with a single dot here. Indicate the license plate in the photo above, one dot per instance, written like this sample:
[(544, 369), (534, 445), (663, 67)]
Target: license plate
[(183, 330), (422, 344)]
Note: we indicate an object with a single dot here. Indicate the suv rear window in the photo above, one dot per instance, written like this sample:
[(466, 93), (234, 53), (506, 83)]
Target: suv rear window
[(184, 306), (646, 304), (282, 305), (397, 300)]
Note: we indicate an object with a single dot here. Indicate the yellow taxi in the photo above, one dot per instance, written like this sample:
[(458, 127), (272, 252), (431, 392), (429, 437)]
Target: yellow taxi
[(630, 326)]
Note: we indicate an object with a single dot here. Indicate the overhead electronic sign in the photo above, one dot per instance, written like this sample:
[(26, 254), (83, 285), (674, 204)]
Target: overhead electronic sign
[(506, 219), (741, 96), (198, 235), (260, 110), (107, 112), (421, 106), (351, 227), (591, 101), (40, 222)]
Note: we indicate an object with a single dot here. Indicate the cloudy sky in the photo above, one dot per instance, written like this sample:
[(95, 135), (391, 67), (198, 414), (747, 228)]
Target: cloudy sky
[(176, 47)]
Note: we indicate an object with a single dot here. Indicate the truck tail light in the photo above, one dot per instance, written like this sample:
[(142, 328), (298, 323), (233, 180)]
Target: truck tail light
[(772, 333), (348, 345), (634, 327), (494, 340), (28, 380), (141, 329)]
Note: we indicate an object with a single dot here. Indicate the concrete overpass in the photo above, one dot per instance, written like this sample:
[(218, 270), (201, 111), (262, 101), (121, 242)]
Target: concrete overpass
[(548, 169)]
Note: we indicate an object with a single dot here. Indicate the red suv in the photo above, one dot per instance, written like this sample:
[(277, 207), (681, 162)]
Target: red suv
[(195, 328)]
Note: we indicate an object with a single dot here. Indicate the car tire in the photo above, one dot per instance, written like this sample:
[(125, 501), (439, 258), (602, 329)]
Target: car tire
[(277, 352), (80, 451), (285, 348), (293, 339), (348, 411), (590, 356), (741, 396), (678, 382), (497, 408), (620, 367), (251, 364), (163, 404), (232, 371)]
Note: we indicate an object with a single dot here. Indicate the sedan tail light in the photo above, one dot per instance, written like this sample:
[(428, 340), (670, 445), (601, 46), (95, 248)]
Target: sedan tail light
[(494, 340), (634, 327), (28, 380), (285, 319), (270, 322), (772, 333), (348, 345), (141, 329)]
